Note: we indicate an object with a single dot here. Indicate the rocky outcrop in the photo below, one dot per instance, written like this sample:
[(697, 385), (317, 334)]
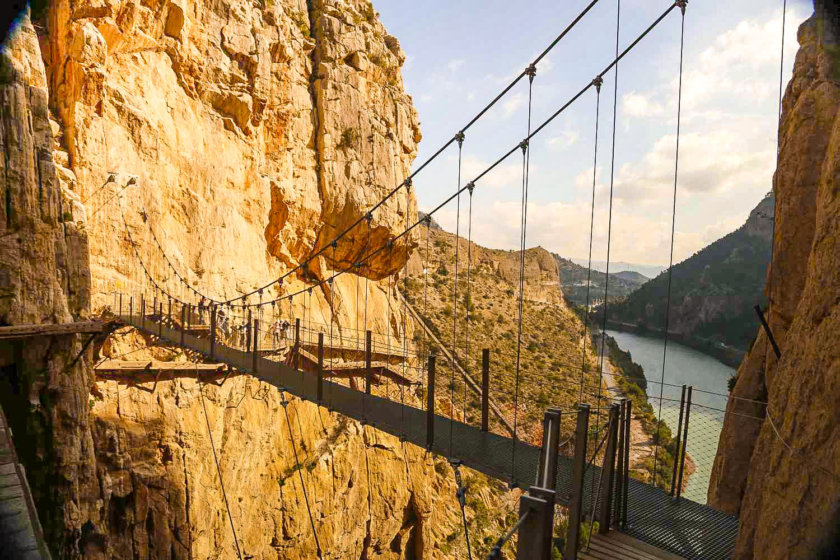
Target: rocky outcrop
[(781, 474), (44, 278)]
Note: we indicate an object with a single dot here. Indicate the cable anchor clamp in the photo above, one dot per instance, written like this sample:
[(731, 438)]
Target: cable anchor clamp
[(459, 137), (368, 217), (471, 187), (407, 183), (531, 71), (524, 145), (597, 82), (682, 5)]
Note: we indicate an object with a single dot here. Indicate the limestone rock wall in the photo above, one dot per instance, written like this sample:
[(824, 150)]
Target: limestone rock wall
[(44, 278), (785, 495), (255, 131)]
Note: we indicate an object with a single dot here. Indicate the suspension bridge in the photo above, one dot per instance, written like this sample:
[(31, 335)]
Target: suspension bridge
[(395, 388)]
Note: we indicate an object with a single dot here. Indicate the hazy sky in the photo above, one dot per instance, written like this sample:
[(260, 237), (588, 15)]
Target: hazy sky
[(460, 54)]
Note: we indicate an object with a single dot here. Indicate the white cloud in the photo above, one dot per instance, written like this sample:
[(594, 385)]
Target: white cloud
[(513, 104), (545, 65), (454, 64), (635, 104), (565, 139), (505, 175)]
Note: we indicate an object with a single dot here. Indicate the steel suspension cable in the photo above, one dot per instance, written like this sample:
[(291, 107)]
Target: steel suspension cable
[(285, 404), (468, 303), (526, 159), (778, 159), (598, 81), (682, 4), (609, 219), (219, 470), (460, 139)]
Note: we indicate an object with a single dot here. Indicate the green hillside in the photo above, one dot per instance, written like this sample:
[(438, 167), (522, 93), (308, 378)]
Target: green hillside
[(713, 291)]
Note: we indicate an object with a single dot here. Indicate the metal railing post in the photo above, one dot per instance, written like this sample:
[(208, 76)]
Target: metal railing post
[(255, 339), (160, 320), (576, 502), (485, 389), (320, 387), (248, 329), (547, 469), (628, 418), (183, 319), (142, 311), (212, 332), (532, 543), (608, 472), (120, 309), (169, 310), (619, 478), (297, 343), (368, 372), (679, 439), (684, 440), (131, 310), (430, 404)]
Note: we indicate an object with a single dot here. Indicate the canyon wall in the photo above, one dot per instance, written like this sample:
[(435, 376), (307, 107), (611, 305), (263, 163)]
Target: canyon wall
[(780, 474), (44, 278), (241, 136)]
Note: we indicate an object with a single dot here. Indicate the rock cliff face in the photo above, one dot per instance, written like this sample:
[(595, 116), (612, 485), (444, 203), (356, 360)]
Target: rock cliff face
[(44, 278), (248, 133), (781, 474)]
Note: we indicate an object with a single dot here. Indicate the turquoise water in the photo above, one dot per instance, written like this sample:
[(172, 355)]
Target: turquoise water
[(687, 366)]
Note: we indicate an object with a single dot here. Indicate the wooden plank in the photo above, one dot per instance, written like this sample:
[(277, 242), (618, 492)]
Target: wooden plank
[(10, 492), (146, 366), (643, 546), (618, 546), (52, 329)]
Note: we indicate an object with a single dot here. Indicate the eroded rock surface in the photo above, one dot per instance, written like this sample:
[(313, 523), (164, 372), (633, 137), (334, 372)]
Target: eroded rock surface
[(785, 485)]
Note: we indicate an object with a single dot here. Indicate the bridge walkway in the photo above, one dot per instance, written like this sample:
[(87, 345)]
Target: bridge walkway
[(688, 529), (20, 531)]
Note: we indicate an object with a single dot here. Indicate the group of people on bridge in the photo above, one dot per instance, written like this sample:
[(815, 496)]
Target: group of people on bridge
[(239, 333)]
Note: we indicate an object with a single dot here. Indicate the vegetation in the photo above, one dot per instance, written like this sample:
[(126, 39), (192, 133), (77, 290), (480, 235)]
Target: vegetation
[(713, 292)]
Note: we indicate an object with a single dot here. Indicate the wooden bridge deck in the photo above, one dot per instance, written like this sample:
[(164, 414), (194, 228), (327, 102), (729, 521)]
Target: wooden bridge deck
[(618, 546), (52, 329), (693, 531), (20, 530)]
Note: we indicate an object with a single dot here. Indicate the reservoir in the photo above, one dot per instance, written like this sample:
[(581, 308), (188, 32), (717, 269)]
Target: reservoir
[(684, 366)]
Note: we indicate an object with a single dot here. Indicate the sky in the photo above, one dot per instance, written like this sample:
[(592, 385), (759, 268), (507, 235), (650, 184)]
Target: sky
[(459, 55)]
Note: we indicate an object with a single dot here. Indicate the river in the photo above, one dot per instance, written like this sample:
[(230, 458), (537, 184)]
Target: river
[(709, 378)]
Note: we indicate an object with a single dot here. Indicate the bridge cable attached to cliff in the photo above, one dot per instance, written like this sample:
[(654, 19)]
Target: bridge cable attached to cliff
[(475, 180), (218, 469), (303, 266), (770, 276), (682, 4), (285, 404)]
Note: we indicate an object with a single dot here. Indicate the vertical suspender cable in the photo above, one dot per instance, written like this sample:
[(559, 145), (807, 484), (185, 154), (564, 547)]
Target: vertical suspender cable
[(285, 405), (460, 138), (682, 5), (526, 159), (598, 81), (219, 472), (468, 303), (609, 219)]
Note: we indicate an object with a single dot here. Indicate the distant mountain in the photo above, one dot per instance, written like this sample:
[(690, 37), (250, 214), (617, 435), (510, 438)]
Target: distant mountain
[(632, 276), (648, 270), (712, 292), (573, 281)]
